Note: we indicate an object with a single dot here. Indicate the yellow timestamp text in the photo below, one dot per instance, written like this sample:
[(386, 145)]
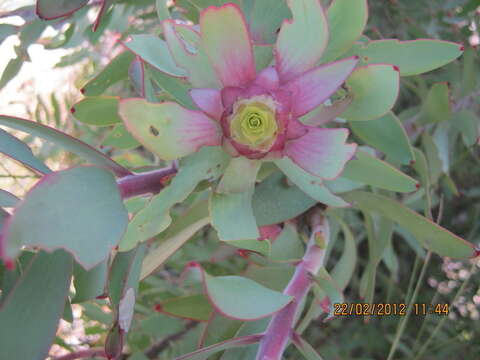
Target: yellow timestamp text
[(389, 309)]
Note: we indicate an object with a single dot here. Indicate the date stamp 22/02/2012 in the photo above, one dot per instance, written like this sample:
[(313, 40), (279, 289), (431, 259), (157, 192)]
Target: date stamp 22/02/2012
[(389, 309)]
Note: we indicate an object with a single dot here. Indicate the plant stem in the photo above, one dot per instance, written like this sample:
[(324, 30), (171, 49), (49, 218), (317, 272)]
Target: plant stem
[(280, 329), (150, 182), (154, 350), (403, 322)]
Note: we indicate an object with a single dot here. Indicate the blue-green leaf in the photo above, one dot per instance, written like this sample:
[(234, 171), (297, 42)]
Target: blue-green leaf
[(31, 312), (65, 211)]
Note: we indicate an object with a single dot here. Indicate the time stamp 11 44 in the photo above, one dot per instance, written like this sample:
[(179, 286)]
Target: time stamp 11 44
[(389, 309)]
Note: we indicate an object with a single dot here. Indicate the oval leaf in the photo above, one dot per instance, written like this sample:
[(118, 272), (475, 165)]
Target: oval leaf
[(411, 57), (53, 9), (369, 170), (232, 216), (275, 201), (346, 21), (79, 209), (97, 110), (241, 298), (374, 89), (387, 135)]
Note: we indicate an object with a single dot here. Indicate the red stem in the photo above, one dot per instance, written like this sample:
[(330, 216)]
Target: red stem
[(150, 182), (280, 329)]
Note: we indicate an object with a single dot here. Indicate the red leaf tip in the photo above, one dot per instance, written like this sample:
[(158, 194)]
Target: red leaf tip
[(9, 264), (72, 110), (82, 90), (396, 68), (101, 297), (157, 308), (461, 48), (243, 253), (193, 264), (356, 57), (417, 185)]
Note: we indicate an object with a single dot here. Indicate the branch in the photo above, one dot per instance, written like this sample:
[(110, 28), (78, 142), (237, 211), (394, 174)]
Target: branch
[(280, 329), (89, 353), (150, 182), (153, 351)]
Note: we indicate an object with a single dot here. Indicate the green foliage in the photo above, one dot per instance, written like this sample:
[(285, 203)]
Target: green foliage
[(411, 105)]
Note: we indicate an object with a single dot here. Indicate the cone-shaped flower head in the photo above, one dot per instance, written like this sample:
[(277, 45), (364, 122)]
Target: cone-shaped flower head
[(253, 115)]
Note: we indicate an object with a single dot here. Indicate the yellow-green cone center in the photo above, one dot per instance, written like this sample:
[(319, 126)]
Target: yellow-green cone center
[(253, 123)]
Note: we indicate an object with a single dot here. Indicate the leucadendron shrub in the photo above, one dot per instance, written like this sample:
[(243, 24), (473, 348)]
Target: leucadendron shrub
[(271, 127)]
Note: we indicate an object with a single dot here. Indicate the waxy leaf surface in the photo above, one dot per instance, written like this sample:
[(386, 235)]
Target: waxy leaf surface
[(28, 326), (64, 210)]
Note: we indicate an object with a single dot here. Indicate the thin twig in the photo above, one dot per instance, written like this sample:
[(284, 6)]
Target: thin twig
[(154, 350)]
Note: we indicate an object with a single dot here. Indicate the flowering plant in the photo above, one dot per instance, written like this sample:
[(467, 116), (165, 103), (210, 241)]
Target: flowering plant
[(271, 121)]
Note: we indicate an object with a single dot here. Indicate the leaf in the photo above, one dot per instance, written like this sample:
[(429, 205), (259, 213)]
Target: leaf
[(193, 307), (309, 184), (432, 236), (11, 70), (204, 353), (178, 89), (157, 257), (436, 107), (106, 4), (46, 278), (53, 9), (344, 268), (259, 246), (346, 21), (274, 201), (115, 71), (266, 17), (67, 142), (240, 175), (64, 210), (162, 10), (7, 199), (125, 310), (89, 284), (187, 50), (241, 298), (433, 158), (387, 135), (6, 30), (287, 246), (374, 89), (125, 273), (367, 169), (329, 287), (466, 122), (155, 52), (443, 136), (208, 163), (120, 138), (232, 216), (305, 348), (411, 57), (97, 111)]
